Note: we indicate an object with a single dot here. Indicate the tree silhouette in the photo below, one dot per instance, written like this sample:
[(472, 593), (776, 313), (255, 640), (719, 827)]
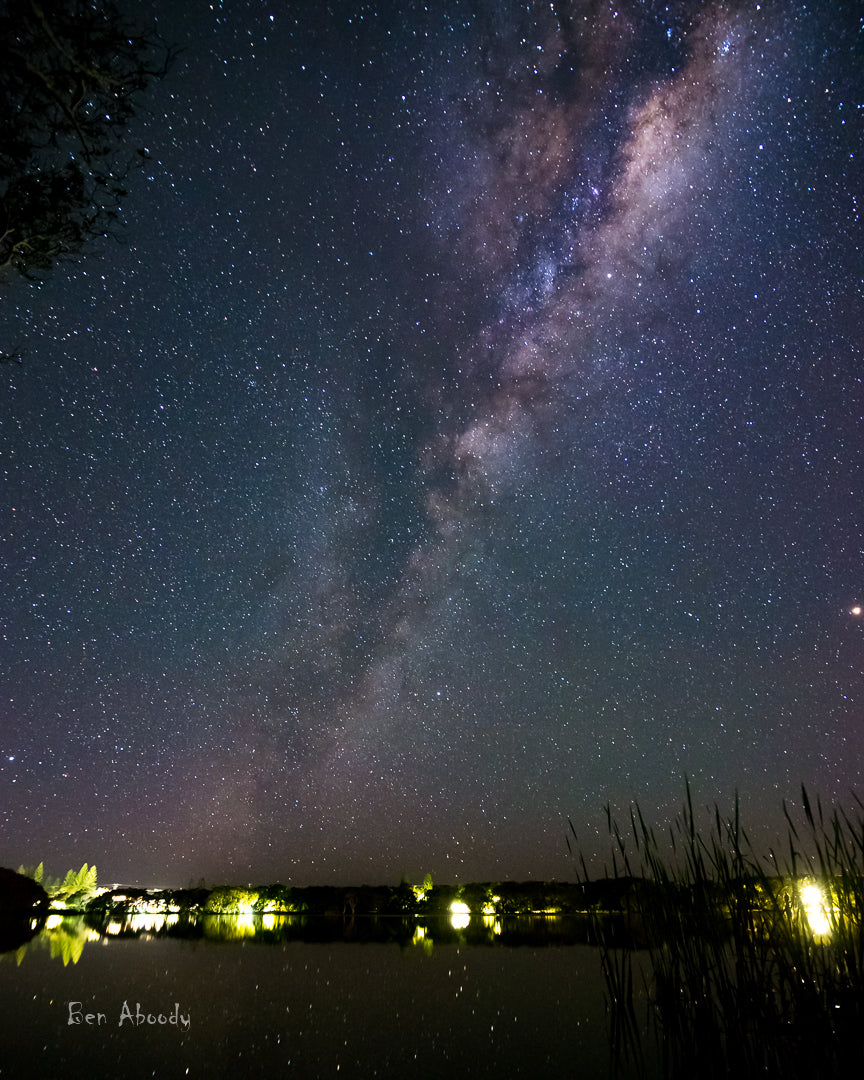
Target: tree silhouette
[(71, 72)]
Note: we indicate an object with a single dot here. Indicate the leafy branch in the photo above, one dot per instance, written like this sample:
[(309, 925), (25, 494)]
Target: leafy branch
[(70, 77)]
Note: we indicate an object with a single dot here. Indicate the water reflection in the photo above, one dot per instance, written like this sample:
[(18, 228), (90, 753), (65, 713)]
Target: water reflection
[(423, 1005), (484, 969), (491, 922), (65, 936)]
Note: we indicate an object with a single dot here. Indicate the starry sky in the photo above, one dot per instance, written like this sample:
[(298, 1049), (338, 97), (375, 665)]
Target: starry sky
[(465, 432)]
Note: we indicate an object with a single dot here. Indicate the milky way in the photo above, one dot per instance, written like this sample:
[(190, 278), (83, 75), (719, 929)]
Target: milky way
[(484, 445)]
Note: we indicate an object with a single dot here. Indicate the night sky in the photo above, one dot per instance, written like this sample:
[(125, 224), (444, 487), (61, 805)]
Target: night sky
[(465, 432)]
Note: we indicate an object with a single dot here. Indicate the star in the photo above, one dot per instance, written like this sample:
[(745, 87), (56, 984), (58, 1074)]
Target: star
[(414, 466)]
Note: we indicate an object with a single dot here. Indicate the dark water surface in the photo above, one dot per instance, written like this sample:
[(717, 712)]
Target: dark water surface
[(306, 1009)]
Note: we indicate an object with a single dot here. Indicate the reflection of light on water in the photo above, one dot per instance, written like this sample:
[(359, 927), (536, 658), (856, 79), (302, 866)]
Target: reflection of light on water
[(66, 937), (149, 920), (492, 923), (275, 920), (460, 915), (245, 921), (815, 908), (230, 927), (422, 940), (137, 922)]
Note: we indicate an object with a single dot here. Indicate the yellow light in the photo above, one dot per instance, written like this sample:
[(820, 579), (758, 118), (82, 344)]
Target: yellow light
[(230, 927), (150, 921), (492, 923), (814, 903), (422, 940), (460, 915)]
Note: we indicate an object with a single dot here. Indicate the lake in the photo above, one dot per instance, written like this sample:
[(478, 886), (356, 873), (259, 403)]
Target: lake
[(307, 998)]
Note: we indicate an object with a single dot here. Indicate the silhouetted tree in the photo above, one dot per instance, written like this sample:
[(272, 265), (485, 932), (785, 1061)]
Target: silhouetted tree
[(71, 72)]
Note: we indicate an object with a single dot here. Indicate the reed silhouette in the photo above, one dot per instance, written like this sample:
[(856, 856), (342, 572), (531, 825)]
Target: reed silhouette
[(756, 963)]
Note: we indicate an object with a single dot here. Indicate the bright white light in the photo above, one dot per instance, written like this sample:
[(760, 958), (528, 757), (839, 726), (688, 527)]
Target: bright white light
[(244, 920), (813, 900), (460, 915)]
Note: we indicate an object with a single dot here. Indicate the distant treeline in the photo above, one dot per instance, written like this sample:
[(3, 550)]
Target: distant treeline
[(500, 898), (619, 895)]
